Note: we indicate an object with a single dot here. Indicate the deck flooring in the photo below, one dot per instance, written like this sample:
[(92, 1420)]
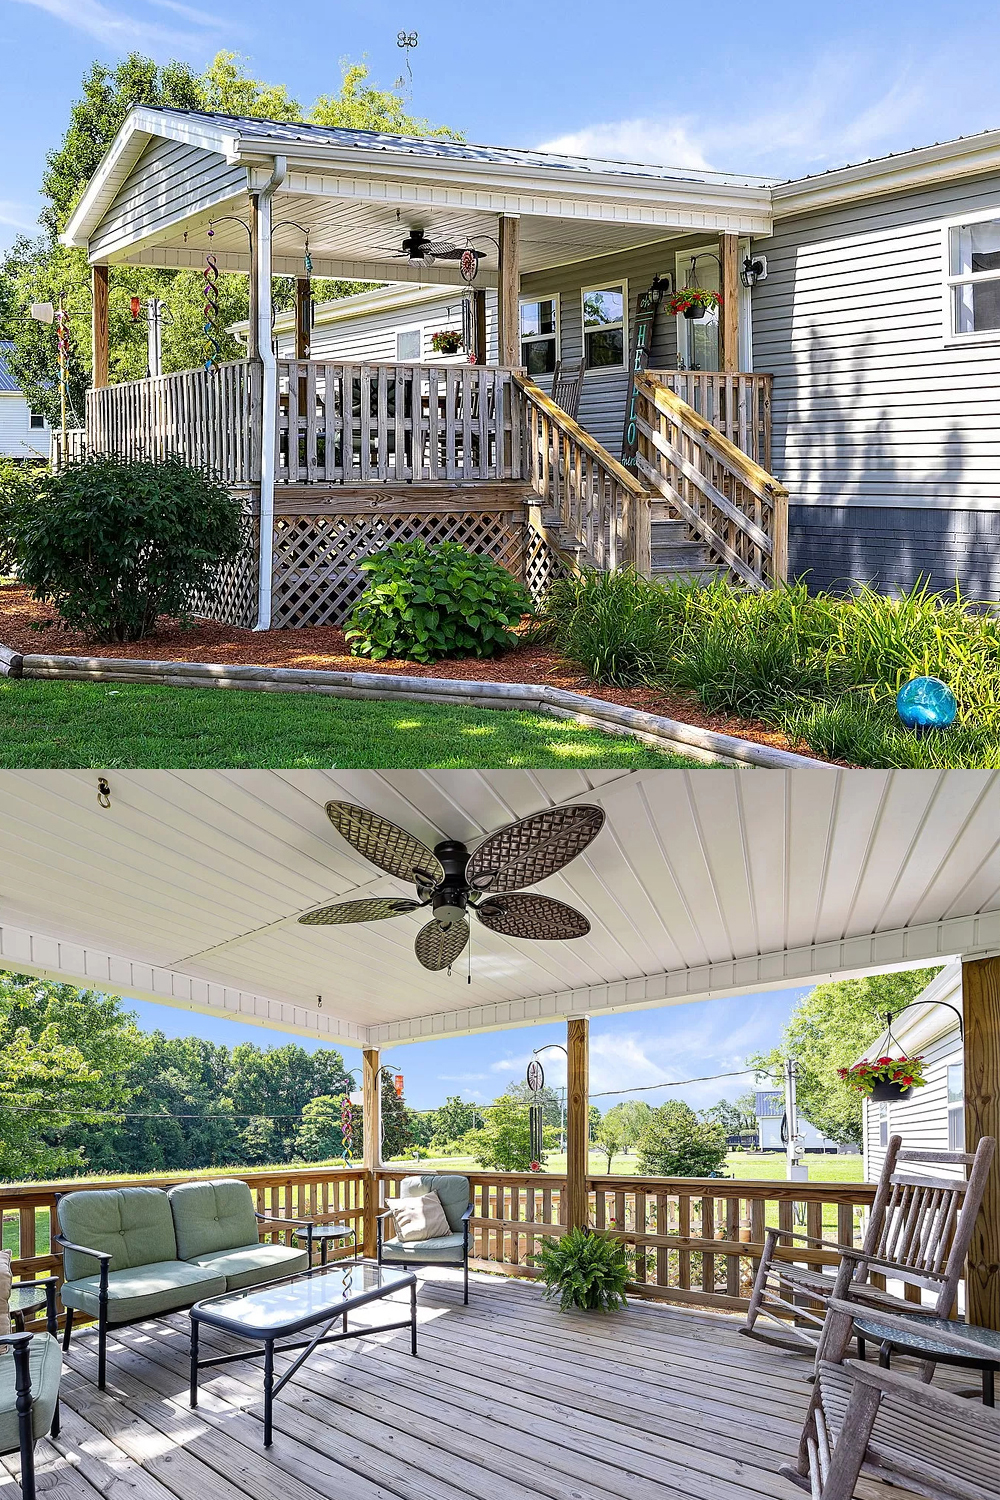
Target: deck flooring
[(508, 1400)]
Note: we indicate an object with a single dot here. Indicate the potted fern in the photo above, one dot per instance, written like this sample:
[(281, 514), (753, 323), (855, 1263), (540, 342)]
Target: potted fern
[(584, 1268)]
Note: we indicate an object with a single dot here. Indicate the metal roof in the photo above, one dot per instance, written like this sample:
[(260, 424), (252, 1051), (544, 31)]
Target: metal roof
[(7, 380)]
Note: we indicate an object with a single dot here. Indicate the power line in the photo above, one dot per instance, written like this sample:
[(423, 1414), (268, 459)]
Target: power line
[(673, 1083)]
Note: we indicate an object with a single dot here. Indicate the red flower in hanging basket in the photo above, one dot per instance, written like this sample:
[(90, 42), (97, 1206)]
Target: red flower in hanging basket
[(904, 1072), (693, 296)]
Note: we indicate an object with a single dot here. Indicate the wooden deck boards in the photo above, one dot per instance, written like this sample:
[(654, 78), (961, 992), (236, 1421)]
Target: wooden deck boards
[(509, 1400)]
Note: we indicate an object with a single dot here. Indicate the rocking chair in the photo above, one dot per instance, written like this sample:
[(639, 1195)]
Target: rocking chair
[(919, 1229), (567, 385)]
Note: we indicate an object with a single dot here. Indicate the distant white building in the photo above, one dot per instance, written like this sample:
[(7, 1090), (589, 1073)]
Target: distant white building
[(770, 1111), (933, 1118), (23, 433)]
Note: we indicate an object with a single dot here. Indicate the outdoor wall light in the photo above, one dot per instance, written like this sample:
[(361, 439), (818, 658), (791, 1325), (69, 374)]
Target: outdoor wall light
[(754, 269)]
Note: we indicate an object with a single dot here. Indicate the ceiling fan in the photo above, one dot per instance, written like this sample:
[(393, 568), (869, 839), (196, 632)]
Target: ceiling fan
[(420, 250), (451, 882)]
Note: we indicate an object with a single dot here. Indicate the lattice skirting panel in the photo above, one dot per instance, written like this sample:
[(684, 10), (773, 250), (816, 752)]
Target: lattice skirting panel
[(542, 565), (316, 580), (234, 600)]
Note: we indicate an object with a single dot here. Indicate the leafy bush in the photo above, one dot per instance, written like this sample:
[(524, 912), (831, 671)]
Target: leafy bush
[(423, 603), (113, 545), (584, 1268), (675, 1143), (18, 487), (504, 1141), (820, 666)]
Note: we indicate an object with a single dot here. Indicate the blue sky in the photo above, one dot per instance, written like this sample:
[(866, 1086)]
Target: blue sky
[(782, 88), (649, 1046)]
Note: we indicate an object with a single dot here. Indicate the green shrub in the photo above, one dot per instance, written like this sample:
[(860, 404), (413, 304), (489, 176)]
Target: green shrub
[(675, 1143), (584, 1268), (18, 488), (113, 545), (423, 603)]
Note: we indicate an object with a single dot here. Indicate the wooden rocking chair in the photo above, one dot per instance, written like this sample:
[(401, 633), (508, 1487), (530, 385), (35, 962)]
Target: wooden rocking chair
[(893, 1427), (567, 385), (919, 1229)]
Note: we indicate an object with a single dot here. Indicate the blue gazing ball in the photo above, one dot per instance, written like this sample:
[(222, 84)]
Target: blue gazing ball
[(926, 703)]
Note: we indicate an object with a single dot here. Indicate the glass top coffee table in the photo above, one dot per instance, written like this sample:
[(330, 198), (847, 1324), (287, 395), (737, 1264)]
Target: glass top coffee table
[(921, 1343), (316, 1298)]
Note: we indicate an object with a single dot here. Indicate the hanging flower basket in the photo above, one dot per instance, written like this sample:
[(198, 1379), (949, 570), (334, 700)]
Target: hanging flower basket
[(886, 1078), (446, 341), (694, 301)]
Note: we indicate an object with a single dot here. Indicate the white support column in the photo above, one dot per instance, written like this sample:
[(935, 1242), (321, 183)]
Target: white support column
[(269, 392)]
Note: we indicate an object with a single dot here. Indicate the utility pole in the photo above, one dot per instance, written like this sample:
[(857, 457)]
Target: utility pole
[(797, 1170)]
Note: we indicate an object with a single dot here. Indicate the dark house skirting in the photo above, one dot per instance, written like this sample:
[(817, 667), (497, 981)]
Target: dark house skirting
[(836, 545)]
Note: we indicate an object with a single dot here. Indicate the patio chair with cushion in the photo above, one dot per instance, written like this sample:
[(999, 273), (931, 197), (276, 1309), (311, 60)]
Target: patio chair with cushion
[(30, 1368), (882, 1424), (919, 1228), (450, 1249), (139, 1252)]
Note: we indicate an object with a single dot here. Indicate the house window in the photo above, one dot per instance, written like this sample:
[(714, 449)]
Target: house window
[(956, 1107), (408, 343), (974, 277), (604, 327), (883, 1125), (540, 335), (36, 420)]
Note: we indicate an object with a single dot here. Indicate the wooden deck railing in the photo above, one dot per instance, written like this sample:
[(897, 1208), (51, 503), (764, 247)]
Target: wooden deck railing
[(727, 501), (597, 503), (210, 418), (67, 447), (739, 405), (691, 1240), (363, 423)]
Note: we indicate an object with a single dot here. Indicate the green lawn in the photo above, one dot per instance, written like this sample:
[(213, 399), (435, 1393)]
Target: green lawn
[(66, 724), (756, 1165)]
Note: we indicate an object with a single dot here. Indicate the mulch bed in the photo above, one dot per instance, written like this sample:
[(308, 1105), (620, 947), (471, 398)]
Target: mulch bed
[(324, 648)]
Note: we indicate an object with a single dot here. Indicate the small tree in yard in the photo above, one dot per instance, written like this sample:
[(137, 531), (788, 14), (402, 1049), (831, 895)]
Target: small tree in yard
[(113, 545), (675, 1143), (504, 1142), (609, 1136)]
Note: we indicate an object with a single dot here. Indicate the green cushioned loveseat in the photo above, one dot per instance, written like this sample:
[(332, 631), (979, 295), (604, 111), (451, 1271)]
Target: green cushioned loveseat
[(138, 1252)]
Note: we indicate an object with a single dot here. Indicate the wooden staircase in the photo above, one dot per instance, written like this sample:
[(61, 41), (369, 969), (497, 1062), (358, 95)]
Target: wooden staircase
[(674, 556)]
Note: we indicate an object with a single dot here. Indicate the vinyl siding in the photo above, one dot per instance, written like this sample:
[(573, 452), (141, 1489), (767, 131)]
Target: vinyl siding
[(167, 181), (602, 403), (870, 408), (18, 439), (923, 1120), (372, 335)]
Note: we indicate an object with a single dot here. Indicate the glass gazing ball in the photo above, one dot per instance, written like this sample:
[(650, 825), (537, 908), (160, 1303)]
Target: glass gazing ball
[(926, 703)]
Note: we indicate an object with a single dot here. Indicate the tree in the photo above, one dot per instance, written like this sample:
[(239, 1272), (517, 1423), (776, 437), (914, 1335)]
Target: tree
[(319, 1136), (396, 1135), (504, 1141), (552, 1110), (631, 1117), (361, 105), (453, 1119), (609, 1136), (829, 1029), (675, 1143)]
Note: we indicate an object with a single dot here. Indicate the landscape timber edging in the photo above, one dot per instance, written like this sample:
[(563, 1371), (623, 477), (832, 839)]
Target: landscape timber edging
[(654, 729)]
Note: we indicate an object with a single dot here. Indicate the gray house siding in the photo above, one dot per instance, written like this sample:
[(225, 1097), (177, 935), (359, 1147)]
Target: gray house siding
[(372, 335), (602, 403), (166, 182), (887, 438)]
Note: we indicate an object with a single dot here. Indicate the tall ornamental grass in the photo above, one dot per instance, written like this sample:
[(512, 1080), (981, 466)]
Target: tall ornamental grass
[(820, 666)]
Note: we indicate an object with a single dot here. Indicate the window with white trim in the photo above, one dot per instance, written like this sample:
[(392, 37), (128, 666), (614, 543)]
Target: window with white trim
[(540, 334), (956, 1107), (36, 420), (409, 343), (974, 278), (883, 1125), (604, 326)]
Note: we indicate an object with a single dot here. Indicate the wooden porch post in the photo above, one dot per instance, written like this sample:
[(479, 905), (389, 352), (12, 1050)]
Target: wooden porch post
[(99, 326), (981, 1007), (729, 247), (509, 289), (371, 1084), (577, 1120)]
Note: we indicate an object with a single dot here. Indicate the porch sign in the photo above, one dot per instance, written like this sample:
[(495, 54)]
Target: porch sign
[(647, 304)]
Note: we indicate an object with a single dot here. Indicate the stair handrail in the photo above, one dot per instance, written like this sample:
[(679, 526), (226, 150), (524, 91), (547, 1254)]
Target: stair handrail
[(599, 503), (754, 547)]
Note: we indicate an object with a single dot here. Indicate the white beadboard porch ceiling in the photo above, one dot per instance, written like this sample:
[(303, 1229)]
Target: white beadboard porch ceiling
[(188, 888)]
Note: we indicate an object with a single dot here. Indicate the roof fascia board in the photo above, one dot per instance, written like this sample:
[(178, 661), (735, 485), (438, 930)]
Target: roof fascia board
[(897, 174), (901, 948), (25, 952)]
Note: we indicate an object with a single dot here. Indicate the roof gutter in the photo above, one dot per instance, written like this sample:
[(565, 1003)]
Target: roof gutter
[(269, 391)]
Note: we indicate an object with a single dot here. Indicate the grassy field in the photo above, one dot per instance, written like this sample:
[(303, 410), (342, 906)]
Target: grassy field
[(68, 724), (756, 1165)]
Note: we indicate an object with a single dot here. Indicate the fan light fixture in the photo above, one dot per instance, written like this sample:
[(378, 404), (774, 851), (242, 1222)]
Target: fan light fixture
[(452, 882)]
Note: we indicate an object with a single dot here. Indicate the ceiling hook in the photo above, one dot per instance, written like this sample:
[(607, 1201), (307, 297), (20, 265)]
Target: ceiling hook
[(103, 792)]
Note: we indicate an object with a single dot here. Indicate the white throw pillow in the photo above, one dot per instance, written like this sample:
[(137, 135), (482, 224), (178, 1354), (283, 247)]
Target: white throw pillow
[(420, 1218), (5, 1286)]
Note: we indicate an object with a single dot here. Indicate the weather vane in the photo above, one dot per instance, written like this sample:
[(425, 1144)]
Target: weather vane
[(407, 40)]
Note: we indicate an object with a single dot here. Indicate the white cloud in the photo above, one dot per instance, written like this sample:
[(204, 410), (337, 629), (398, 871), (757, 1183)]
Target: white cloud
[(17, 215), (666, 141), (117, 29)]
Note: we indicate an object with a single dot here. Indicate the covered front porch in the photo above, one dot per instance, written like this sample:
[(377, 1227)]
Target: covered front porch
[(471, 452)]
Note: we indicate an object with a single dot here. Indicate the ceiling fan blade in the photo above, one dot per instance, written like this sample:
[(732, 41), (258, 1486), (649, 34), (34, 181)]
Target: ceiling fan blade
[(385, 845), (437, 946), (374, 909), (527, 851), (522, 915)]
